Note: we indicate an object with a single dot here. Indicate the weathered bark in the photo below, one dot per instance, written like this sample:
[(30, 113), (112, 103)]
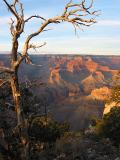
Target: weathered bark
[(21, 121), (17, 99)]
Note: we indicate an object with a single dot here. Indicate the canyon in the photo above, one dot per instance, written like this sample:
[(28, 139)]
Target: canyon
[(75, 87)]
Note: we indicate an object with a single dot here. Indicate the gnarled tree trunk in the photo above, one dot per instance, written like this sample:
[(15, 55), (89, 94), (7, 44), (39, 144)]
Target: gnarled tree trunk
[(21, 121), (22, 127)]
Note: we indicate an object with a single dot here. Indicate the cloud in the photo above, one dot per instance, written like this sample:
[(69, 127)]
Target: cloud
[(67, 44), (115, 23), (5, 20), (4, 27), (5, 47), (83, 45)]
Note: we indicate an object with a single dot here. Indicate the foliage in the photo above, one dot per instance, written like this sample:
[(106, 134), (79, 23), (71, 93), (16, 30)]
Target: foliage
[(116, 94), (45, 129), (5, 95), (1, 157), (69, 143), (109, 127), (27, 100)]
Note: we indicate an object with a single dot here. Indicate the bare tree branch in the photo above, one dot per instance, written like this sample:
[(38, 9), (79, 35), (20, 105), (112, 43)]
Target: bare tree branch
[(3, 83), (70, 15), (73, 13), (34, 16), (10, 7), (12, 29), (49, 29), (33, 46), (7, 70)]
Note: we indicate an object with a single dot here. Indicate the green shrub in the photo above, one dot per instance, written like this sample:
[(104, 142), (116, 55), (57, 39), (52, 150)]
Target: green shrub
[(109, 127), (47, 131)]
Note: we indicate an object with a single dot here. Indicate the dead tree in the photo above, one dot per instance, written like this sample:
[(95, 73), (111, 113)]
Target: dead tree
[(78, 14)]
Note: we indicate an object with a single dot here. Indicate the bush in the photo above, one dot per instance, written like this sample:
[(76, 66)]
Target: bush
[(47, 131), (69, 143), (109, 127)]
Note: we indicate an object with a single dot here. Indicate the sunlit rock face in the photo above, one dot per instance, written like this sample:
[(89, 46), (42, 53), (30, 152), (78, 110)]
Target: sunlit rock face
[(92, 82), (75, 64), (81, 72), (75, 86), (102, 93), (91, 65), (109, 106), (55, 76)]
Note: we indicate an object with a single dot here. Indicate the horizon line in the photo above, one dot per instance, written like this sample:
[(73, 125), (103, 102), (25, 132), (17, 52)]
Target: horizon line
[(72, 54)]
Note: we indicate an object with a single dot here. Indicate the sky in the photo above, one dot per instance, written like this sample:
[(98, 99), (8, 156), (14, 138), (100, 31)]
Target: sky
[(100, 38)]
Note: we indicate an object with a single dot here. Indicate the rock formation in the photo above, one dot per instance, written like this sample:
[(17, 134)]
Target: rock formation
[(109, 106)]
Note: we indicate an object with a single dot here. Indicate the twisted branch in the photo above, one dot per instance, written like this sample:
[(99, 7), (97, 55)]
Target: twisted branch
[(6, 70), (78, 14), (34, 16)]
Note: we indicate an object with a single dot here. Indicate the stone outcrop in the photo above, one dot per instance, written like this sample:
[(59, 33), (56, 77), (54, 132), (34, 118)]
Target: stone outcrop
[(55, 76), (82, 72), (102, 93), (75, 64), (109, 106), (91, 65)]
